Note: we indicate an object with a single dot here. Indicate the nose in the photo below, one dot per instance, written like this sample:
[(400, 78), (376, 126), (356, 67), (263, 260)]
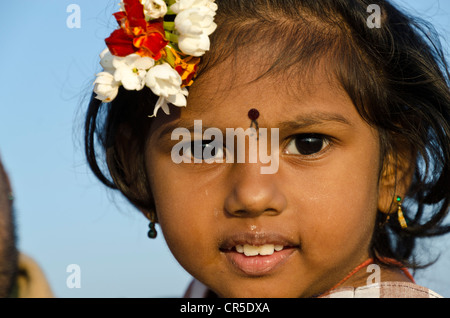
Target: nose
[(253, 194)]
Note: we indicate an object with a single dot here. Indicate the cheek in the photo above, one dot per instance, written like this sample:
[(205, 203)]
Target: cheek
[(186, 214), (337, 208)]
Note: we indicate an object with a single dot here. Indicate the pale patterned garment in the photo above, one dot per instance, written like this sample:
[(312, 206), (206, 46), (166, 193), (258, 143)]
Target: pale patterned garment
[(380, 290), (383, 290)]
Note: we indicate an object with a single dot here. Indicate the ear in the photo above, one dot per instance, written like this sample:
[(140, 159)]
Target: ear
[(150, 214), (395, 180)]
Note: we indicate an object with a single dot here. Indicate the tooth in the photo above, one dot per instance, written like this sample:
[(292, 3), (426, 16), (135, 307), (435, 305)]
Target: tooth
[(266, 249), (251, 250), (278, 247)]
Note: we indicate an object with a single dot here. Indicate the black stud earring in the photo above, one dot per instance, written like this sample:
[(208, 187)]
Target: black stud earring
[(152, 230), (151, 215)]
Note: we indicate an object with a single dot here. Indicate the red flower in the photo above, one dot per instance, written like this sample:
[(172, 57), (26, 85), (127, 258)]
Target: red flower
[(146, 38)]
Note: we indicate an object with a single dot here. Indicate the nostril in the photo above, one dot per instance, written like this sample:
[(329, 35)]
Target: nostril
[(250, 199), (271, 212), (239, 213)]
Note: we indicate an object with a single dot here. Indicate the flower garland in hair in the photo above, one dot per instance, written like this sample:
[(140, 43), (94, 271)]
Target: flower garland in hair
[(158, 45)]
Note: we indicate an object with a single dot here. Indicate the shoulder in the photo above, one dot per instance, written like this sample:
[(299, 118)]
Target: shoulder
[(384, 290), (31, 280), (196, 290), (380, 290)]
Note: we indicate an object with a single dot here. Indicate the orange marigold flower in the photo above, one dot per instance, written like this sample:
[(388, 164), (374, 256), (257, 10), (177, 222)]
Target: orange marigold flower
[(187, 68)]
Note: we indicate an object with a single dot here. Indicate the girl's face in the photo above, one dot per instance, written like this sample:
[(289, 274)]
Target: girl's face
[(315, 215)]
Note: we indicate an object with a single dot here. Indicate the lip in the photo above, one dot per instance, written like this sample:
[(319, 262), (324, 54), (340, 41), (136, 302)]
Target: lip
[(255, 266)]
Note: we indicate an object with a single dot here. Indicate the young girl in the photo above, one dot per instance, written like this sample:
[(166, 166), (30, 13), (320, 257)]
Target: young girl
[(355, 96)]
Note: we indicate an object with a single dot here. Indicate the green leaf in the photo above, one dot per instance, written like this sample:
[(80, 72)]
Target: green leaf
[(170, 58), (173, 38), (169, 25)]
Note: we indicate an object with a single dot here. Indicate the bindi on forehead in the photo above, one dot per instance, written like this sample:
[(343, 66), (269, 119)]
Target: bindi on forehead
[(253, 114)]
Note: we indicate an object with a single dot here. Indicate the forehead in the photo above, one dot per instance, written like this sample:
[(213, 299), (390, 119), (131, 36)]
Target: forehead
[(223, 96)]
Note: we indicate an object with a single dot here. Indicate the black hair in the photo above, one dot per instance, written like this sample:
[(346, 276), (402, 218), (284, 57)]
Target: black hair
[(396, 75), (8, 239)]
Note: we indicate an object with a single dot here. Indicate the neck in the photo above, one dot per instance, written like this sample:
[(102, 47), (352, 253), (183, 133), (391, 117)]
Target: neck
[(361, 275)]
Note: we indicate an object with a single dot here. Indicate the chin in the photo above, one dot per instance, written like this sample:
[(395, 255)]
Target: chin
[(258, 290)]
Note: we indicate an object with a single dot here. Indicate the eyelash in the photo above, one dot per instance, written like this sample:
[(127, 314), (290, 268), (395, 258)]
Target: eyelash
[(221, 150), (327, 142)]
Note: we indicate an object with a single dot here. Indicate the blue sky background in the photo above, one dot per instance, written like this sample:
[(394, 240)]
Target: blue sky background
[(64, 216)]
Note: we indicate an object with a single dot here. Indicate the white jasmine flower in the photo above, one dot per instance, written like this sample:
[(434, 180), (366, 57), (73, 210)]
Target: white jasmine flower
[(165, 82), (154, 9), (195, 21), (106, 87), (107, 61), (131, 71), (122, 6), (194, 45), (194, 26), (181, 5), (177, 100)]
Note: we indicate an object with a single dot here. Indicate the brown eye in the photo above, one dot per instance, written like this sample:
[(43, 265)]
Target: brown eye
[(307, 144), (206, 150)]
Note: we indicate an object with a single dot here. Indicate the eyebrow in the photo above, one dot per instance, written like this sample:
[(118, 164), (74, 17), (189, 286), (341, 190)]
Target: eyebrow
[(301, 122), (314, 119)]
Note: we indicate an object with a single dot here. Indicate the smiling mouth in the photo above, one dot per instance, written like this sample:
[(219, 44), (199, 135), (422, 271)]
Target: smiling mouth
[(257, 255), (254, 250)]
